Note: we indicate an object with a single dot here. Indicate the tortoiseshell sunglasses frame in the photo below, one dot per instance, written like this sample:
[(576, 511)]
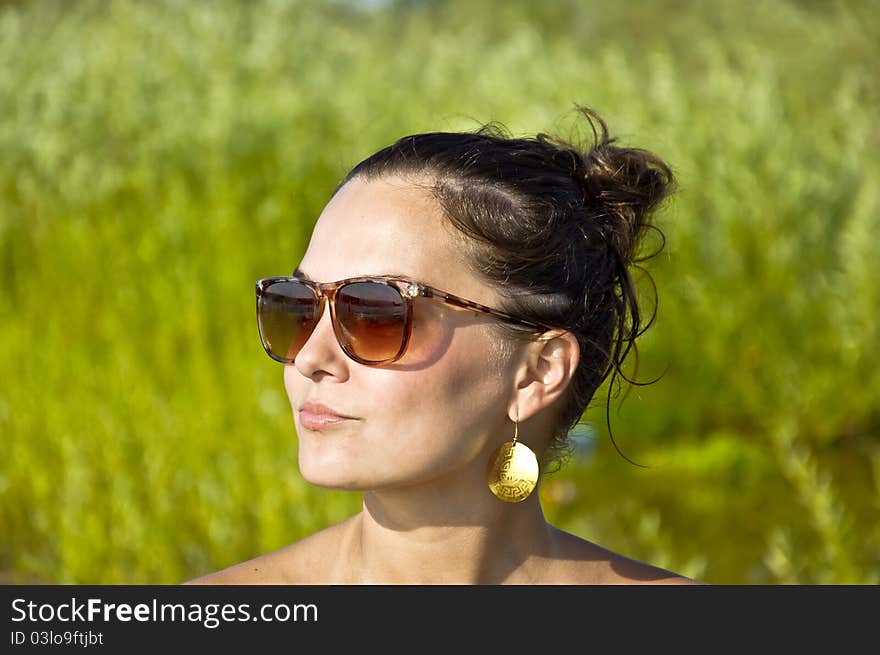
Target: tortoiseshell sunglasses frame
[(408, 289)]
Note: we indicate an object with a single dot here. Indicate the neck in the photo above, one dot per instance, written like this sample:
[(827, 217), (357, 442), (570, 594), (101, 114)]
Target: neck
[(440, 535)]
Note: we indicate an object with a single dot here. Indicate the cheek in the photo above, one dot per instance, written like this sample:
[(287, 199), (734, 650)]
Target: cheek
[(447, 409), (292, 380)]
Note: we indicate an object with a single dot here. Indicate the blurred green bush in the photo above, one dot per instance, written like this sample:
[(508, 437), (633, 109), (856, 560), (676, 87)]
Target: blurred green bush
[(157, 158)]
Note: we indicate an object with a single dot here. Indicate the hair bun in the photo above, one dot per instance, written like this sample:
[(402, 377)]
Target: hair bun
[(622, 185)]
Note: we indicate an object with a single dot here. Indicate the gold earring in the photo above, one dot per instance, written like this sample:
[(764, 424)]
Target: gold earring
[(513, 470)]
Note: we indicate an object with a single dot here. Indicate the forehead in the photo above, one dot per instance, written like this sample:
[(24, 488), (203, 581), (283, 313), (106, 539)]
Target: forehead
[(388, 226)]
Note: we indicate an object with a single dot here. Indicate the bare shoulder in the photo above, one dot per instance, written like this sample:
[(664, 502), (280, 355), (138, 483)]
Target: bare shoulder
[(589, 563), (307, 561)]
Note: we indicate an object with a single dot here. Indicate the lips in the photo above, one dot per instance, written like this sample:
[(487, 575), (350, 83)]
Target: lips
[(316, 416)]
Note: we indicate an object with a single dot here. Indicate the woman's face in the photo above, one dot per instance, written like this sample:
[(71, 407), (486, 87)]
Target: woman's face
[(439, 409)]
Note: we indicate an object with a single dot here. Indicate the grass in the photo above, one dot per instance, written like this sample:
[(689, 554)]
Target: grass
[(157, 158)]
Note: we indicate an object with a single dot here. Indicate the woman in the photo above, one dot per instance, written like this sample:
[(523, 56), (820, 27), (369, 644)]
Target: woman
[(478, 295)]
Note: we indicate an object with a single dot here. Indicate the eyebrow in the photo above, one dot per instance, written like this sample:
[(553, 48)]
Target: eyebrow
[(298, 272)]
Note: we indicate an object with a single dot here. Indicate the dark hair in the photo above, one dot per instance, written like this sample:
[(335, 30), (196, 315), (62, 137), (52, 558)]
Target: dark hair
[(555, 225)]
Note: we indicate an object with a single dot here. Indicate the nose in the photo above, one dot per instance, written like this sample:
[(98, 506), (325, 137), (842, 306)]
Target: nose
[(321, 351)]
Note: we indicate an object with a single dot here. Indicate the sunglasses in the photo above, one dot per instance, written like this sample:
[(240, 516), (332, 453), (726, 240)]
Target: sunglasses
[(371, 316)]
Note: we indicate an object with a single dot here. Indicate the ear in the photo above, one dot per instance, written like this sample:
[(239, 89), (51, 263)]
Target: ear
[(546, 371)]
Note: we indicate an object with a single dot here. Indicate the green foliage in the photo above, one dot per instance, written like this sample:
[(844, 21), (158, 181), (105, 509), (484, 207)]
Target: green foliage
[(157, 158)]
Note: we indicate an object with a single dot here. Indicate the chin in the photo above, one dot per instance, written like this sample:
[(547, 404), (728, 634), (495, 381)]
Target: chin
[(329, 472), (331, 482)]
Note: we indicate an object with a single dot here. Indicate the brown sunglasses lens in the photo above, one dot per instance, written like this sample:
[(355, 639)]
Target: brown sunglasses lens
[(372, 319), (286, 318)]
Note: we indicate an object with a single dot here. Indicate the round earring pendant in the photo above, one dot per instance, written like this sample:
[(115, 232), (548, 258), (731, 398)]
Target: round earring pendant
[(513, 472)]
